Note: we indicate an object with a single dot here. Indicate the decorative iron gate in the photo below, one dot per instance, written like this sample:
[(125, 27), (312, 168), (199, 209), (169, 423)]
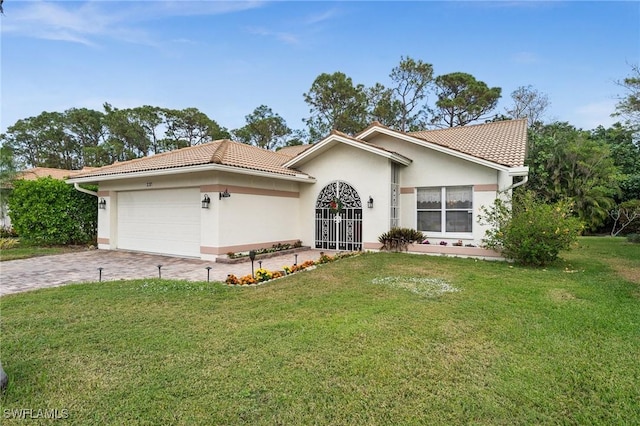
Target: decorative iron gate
[(339, 218)]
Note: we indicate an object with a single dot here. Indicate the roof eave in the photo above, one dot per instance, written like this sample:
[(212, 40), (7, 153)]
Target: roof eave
[(320, 146), (192, 169)]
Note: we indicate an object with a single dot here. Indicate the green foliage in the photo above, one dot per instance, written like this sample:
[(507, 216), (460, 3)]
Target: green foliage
[(568, 164), (264, 129), (528, 231), (629, 105), (624, 149), (397, 239), (335, 104), (633, 238), (462, 99), (83, 137), (48, 211), (412, 79)]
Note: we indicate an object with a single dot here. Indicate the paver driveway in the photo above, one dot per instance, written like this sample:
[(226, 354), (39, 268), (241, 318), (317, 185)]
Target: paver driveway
[(51, 271)]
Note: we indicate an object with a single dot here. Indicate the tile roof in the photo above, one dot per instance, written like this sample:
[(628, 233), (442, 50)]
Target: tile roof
[(38, 172), (293, 150), (223, 152), (363, 142), (502, 142)]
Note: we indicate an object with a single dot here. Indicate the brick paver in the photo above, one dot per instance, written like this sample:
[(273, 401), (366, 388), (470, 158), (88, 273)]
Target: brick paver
[(51, 271)]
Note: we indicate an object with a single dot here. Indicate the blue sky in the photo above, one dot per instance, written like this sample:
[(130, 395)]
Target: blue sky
[(227, 58)]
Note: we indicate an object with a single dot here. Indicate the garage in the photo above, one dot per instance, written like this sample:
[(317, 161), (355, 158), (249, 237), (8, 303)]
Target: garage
[(165, 221)]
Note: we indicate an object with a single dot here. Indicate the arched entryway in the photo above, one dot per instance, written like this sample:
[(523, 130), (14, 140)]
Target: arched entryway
[(338, 218)]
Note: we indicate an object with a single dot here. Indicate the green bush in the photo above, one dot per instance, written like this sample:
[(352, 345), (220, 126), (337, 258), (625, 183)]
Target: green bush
[(530, 232), (633, 238), (397, 239), (49, 211)]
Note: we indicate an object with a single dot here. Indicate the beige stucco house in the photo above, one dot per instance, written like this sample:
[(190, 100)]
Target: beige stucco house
[(340, 193)]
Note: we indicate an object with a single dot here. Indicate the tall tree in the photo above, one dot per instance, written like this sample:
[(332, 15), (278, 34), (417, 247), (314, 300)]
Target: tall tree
[(528, 103), (462, 99), (128, 138), (629, 105), (336, 104), (383, 106), (625, 152), (42, 141), (568, 164), (88, 129), (412, 82), (264, 129), (189, 127)]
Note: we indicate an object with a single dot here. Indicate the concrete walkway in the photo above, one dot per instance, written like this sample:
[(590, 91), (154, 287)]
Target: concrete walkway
[(52, 271)]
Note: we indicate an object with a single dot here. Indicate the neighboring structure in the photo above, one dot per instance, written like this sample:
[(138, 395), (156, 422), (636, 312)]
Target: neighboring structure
[(340, 193), (33, 174)]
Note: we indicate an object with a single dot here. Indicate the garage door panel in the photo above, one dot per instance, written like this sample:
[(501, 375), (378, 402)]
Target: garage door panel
[(160, 221)]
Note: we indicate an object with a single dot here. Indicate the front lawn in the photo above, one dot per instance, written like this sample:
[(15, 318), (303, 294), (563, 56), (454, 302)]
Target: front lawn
[(385, 338), (24, 251)]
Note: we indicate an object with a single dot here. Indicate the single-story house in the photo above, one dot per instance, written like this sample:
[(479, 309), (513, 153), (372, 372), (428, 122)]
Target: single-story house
[(340, 193)]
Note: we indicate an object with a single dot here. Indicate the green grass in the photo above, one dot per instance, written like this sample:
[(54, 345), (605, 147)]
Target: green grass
[(24, 251), (366, 340)]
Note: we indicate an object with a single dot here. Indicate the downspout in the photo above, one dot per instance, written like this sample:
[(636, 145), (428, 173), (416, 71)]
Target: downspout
[(515, 185), (86, 191)]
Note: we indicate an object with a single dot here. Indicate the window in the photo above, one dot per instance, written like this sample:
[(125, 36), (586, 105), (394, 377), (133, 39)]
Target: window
[(445, 209), (395, 190)]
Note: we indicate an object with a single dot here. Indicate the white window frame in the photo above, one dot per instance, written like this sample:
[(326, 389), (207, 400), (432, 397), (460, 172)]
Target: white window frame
[(443, 213)]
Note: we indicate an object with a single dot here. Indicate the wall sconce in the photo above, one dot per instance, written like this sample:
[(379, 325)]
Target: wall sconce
[(370, 202), (224, 194), (206, 201), (102, 204)]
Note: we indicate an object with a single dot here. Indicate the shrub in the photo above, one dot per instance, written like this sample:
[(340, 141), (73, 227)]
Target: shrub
[(397, 239), (7, 232), (532, 232), (7, 243), (49, 211), (633, 238)]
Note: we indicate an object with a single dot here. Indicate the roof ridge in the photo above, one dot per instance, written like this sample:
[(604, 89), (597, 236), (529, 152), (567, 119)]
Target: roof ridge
[(221, 150), (491, 123)]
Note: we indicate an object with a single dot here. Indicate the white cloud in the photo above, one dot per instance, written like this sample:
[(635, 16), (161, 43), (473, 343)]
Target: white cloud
[(285, 37), (88, 22), (594, 114), (321, 17)]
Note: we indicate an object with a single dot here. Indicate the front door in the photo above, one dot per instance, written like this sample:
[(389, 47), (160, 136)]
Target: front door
[(339, 218)]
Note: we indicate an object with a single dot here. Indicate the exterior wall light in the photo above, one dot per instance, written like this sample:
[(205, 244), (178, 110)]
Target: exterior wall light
[(102, 204), (206, 201), (224, 194), (370, 202)]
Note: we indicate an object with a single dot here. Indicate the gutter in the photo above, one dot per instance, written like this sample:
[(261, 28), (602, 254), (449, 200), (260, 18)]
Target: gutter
[(86, 191)]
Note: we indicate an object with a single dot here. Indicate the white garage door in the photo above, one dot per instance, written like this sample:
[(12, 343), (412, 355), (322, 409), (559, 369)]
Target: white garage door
[(163, 221)]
